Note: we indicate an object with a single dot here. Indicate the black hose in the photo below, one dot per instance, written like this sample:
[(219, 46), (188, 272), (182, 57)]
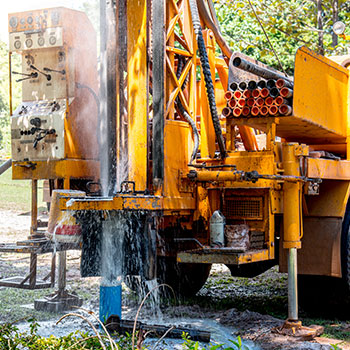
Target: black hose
[(183, 112), (207, 76)]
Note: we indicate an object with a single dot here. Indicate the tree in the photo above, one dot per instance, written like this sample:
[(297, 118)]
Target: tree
[(288, 23)]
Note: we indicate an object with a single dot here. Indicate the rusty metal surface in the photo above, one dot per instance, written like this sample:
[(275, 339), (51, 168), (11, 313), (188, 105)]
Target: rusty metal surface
[(234, 256)]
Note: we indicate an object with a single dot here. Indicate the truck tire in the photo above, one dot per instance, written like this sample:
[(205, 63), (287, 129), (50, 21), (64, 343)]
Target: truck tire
[(185, 279)]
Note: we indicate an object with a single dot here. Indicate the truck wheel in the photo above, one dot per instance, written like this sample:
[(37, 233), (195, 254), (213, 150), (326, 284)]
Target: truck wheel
[(185, 279)]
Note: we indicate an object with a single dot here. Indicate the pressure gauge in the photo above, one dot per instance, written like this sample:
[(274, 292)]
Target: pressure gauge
[(29, 43), (17, 44), (22, 21), (52, 40), (30, 20), (13, 22), (41, 41)]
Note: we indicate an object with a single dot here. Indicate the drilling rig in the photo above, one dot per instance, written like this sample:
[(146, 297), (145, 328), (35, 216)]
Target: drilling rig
[(174, 169)]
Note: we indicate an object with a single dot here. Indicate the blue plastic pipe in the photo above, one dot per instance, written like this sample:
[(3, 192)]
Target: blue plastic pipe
[(110, 302)]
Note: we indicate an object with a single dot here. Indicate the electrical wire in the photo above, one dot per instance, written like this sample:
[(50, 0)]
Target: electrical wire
[(267, 38)]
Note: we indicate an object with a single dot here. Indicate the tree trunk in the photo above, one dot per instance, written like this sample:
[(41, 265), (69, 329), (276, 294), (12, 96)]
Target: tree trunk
[(320, 27), (335, 18)]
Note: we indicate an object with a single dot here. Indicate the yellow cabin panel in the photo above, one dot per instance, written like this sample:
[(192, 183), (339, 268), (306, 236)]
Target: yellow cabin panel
[(321, 94)]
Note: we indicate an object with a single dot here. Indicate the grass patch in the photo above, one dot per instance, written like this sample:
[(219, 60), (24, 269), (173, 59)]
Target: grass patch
[(16, 194)]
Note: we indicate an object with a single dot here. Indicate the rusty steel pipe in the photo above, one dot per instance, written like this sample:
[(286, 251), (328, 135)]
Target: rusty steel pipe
[(264, 92), (255, 111), (269, 101), (226, 112), (250, 102), (280, 83), (241, 102), (237, 95), (259, 102), (263, 72), (286, 92), (256, 93), (279, 100), (247, 93), (264, 110), (273, 110), (285, 109), (245, 111), (237, 112), (228, 95), (232, 103)]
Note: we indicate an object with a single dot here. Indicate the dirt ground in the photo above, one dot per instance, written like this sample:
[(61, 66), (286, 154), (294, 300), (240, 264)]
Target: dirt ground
[(241, 306)]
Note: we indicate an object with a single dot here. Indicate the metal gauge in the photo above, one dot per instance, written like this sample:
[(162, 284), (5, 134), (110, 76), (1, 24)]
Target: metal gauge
[(17, 44), (29, 43), (22, 21), (30, 20), (52, 40), (13, 22), (41, 41)]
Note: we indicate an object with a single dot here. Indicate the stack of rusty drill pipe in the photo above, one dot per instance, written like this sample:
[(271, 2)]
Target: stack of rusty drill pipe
[(262, 98)]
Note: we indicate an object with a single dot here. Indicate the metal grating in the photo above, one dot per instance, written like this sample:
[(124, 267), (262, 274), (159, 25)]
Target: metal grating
[(249, 208)]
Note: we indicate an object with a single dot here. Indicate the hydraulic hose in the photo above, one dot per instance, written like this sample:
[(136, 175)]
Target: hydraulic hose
[(183, 112), (207, 76)]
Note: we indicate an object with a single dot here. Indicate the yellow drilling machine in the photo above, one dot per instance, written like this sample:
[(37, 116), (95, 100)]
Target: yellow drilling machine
[(211, 158)]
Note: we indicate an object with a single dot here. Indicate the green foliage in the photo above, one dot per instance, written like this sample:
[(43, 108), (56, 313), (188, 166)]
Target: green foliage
[(189, 344), (288, 23)]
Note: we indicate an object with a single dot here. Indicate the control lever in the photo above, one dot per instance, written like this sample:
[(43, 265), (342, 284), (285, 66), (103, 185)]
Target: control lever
[(41, 135), (48, 76), (63, 72), (27, 76)]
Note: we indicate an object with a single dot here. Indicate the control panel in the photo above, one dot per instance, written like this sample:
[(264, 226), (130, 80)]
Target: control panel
[(57, 118), (37, 130)]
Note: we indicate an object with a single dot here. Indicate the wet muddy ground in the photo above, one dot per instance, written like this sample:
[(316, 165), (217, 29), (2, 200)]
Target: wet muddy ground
[(227, 306)]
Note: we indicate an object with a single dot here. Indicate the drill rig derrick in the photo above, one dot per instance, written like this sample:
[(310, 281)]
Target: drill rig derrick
[(157, 177)]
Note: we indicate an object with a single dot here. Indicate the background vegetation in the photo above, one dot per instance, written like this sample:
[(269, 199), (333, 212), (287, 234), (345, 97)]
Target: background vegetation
[(288, 24)]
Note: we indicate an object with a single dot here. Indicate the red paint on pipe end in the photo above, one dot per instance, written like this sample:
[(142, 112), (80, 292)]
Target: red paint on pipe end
[(237, 95), (228, 95), (259, 102), (273, 110), (264, 110), (250, 102), (247, 93), (255, 111), (237, 112), (256, 93), (264, 92), (245, 111), (232, 103), (269, 101)]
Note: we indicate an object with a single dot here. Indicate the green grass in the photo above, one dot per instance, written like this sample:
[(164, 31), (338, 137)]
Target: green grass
[(16, 194)]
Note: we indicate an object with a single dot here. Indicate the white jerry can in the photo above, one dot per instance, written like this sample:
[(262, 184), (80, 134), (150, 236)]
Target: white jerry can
[(217, 229)]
